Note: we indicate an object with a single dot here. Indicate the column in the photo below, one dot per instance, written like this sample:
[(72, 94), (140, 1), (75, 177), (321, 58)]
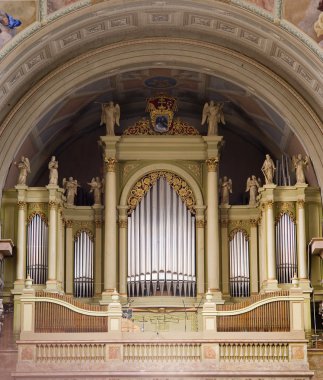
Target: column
[(253, 257), (51, 283), (262, 248), (225, 257), (200, 257), (69, 250), (60, 250), (110, 227), (98, 249), (21, 243), (270, 242), (123, 249), (213, 254), (301, 240)]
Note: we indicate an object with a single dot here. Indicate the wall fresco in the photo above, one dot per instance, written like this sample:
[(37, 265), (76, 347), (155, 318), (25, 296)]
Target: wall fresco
[(55, 5), (268, 5), (15, 16), (303, 14)]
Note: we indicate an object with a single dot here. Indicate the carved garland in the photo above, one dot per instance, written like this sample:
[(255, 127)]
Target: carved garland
[(142, 187)]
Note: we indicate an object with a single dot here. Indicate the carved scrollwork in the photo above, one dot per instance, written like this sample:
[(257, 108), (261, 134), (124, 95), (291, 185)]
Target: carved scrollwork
[(21, 205), (285, 208), (142, 187), (179, 127)]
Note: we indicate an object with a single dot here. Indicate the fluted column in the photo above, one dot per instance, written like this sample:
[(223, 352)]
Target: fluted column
[(110, 227), (301, 240), (21, 242), (213, 255), (253, 257), (270, 242), (200, 257), (123, 249), (69, 250)]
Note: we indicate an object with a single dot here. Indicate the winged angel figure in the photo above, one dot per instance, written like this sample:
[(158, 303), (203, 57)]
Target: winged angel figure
[(225, 188), (110, 116), (213, 115), (252, 186), (70, 186)]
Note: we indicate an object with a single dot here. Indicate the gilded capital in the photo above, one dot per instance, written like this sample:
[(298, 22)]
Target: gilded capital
[(224, 223), (123, 223), (269, 204), (98, 223), (300, 203), (254, 222), (110, 164), (21, 205), (200, 223), (212, 164), (68, 223), (52, 205)]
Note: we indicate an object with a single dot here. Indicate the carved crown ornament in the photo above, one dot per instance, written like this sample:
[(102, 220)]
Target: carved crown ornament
[(142, 187), (161, 109)]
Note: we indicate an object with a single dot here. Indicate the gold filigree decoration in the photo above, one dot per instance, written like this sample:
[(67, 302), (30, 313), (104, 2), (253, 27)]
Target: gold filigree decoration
[(52, 205), (234, 231), (239, 224), (35, 206), (254, 222), (98, 223), (87, 231), (179, 127), (287, 212), (142, 187), (42, 216)]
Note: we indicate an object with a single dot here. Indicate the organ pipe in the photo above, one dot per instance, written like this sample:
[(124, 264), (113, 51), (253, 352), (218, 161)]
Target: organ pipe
[(83, 265), (286, 256), (37, 250), (161, 245), (239, 265)]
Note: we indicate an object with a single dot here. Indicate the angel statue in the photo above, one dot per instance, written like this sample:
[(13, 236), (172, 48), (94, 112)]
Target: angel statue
[(213, 115), (268, 168), (299, 164), (97, 189), (110, 116), (53, 171), (253, 185), (70, 186), (24, 169), (225, 188)]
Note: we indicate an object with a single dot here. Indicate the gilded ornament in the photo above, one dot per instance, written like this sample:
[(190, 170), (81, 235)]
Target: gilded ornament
[(69, 223), (224, 223), (110, 164), (78, 233), (21, 205), (98, 223), (269, 204), (300, 203), (200, 223), (42, 216), (52, 205), (180, 186), (234, 231), (212, 164), (254, 222), (123, 223)]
